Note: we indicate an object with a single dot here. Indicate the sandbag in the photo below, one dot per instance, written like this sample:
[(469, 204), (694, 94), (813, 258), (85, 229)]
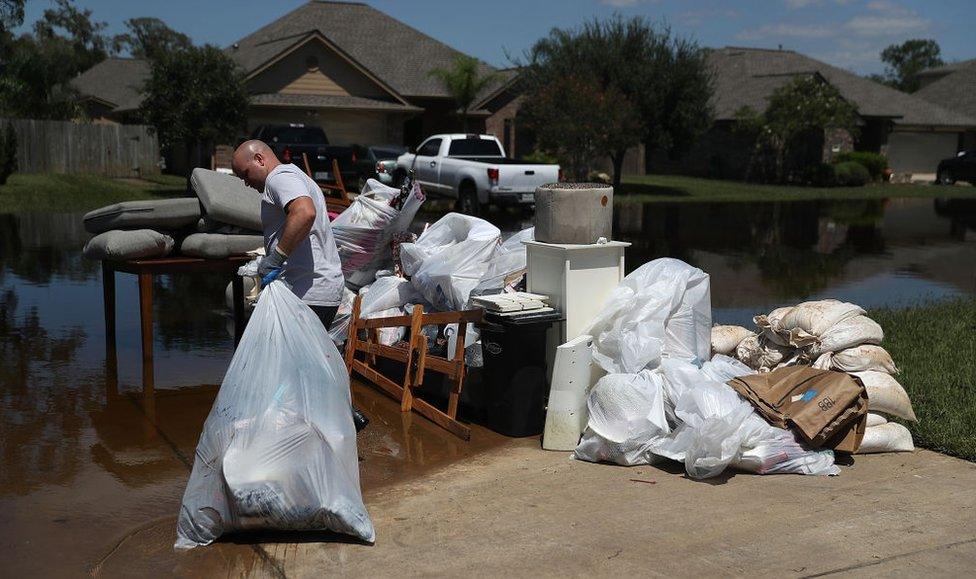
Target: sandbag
[(626, 413), (123, 245), (219, 245), (767, 325), (847, 333), (886, 395), (227, 199), (168, 214), (662, 309), (875, 419), (889, 437), (863, 358), (278, 450), (763, 354), (726, 338), (807, 322)]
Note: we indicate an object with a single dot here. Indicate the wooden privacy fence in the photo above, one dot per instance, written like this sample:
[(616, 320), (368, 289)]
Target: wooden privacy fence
[(68, 147)]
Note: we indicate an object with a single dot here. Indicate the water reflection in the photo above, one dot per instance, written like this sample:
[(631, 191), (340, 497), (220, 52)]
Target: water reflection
[(81, 451)]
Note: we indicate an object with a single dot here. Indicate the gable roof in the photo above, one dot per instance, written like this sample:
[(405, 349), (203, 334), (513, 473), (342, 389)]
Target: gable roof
[(114, 81), (747, 76), (945, 69), (955, 91), (397, 54)]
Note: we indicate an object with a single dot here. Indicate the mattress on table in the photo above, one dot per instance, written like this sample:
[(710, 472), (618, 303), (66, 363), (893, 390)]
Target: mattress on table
[(226, 199), (219, 245), (152, 214), (120, 245)]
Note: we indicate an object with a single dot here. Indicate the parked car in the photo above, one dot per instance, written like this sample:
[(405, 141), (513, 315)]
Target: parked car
[(290, 141), (962, 167), (473, 170), (376, 162)]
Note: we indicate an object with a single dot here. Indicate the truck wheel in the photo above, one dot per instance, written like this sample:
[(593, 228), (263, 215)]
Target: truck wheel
[(467, 201), (945, 178), (399, 176)]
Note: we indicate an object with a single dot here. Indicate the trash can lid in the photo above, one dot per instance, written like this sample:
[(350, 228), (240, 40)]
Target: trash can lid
[(525, 318)]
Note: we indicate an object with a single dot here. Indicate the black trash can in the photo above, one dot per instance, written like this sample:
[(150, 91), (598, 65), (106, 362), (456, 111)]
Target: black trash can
[(514, 350)]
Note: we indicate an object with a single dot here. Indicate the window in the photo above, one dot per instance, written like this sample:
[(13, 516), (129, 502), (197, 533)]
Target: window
[(475, 148), (382, 154), (430, 148)]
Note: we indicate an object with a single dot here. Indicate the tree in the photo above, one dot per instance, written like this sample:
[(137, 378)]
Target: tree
[(194, 97), (904, 61), (464, 81), (661, 81), (11, 14), (37, 68), (149, 38), (797, 112)]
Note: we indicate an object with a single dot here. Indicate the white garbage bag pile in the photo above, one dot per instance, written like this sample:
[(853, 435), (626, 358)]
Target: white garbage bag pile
[(278, 450), (661, 398), (830, 335), (363, 230)]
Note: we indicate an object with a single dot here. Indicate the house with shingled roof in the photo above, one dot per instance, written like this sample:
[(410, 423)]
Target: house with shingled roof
[(914, 133), (360, 74), (952, 87)]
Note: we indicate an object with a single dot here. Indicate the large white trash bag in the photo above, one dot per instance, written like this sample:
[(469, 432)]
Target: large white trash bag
[(626, 414), (663, 308), (278, 450), (450, 259)]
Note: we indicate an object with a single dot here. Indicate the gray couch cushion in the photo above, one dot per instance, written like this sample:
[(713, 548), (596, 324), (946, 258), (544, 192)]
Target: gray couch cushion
[(226, 199), (207, 225), (153, 214), (121, 245), (218, 245)]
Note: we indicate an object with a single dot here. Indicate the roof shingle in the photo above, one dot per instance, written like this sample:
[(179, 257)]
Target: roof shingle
[(747, 76), (114, 80), (955, 91)]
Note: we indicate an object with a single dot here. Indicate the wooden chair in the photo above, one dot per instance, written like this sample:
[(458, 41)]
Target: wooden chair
[(415, 357), (336, 196)]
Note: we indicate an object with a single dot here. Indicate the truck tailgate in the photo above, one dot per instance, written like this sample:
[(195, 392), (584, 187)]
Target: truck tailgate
[(525, 178)]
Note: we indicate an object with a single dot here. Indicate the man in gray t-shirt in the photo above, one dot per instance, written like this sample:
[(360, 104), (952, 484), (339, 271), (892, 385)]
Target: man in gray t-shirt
[(297, 235)]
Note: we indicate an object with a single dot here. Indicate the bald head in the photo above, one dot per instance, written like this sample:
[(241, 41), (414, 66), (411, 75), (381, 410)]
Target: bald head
[(252, 162)]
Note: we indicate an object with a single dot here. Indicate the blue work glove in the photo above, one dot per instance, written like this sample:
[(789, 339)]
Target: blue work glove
[(270, 267)]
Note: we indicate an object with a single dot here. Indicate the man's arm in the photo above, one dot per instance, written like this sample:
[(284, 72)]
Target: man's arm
[(299, 218)]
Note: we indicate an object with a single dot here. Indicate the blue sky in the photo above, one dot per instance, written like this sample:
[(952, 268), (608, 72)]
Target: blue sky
[(846, 33)]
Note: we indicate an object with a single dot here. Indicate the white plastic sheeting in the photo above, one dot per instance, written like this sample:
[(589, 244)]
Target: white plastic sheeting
[(278, 450), (662, 309)]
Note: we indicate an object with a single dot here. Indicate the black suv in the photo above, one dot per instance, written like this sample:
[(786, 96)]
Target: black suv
[(962, 167)]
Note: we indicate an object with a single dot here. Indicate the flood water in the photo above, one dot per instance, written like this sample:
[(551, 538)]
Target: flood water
[(93, 470)]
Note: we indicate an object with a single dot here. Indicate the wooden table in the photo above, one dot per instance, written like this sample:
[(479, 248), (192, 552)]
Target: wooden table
[(145, 269)]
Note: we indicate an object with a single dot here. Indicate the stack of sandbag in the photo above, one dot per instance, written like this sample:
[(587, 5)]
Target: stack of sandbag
[(830, 335), (223, 219), (662, 400)]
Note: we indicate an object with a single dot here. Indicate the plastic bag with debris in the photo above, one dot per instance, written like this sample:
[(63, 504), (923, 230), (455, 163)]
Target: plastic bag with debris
[(662, 309), (278, 450)]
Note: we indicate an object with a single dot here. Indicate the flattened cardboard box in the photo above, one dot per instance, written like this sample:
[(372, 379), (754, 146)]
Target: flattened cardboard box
[(827, 409)]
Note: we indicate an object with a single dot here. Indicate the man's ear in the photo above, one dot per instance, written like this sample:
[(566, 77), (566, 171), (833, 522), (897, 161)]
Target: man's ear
[(259, 158)]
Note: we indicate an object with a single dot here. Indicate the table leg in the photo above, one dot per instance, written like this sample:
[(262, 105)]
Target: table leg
[(146, 317), (108, 304), (238, 286)]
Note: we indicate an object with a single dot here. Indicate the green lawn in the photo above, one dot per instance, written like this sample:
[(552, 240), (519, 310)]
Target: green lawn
[(650, 188), (47, 192), (933, 346)]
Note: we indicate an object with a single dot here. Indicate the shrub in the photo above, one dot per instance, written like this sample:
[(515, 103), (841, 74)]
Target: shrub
[(851, 174), (819, 175), (875, 163), (8, 153)]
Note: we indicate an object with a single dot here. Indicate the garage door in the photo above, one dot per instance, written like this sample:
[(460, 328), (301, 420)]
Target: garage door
[(920, 152)]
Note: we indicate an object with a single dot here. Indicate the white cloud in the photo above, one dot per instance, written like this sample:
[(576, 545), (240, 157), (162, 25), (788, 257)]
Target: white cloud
[(619, 3), (794, 4), (892, 25), (787, 30), (696, 17)]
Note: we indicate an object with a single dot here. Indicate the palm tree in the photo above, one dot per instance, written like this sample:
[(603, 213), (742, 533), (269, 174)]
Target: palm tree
[(464, 82)]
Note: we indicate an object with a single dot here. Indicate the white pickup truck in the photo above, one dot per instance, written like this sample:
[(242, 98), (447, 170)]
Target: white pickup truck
[(474, 170)]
